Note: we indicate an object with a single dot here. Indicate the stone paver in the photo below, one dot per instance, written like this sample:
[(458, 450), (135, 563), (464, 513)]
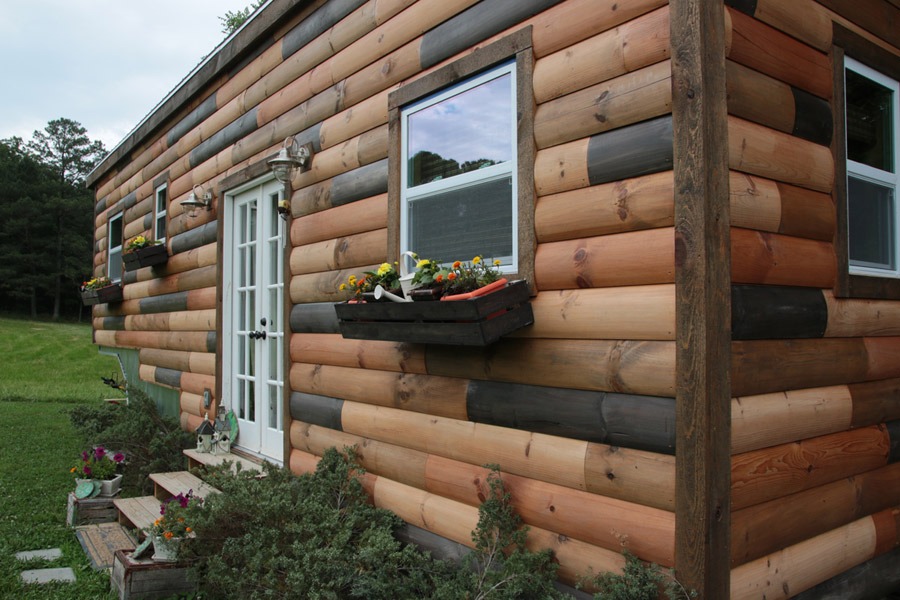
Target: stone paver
[(64, 574), (47, 554)]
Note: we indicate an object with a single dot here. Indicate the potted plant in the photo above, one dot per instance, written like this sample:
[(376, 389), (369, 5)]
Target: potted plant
[(141, 252), (459, 281), (99, 290), (173, 525), (363, 287), (100, 470)]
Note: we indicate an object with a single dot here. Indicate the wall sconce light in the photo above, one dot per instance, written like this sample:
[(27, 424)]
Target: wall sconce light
[(196, 200), (291, 156)]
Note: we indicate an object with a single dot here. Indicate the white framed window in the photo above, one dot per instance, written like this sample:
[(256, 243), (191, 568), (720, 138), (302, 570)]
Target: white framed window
[(459, 163), (872, 118), (160, 205), (114, 249)]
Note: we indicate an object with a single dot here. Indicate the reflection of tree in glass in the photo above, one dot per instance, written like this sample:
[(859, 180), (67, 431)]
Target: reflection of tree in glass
[(427, 166)]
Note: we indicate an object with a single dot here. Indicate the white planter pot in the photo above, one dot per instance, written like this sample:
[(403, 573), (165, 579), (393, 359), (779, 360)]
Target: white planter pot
[(165, 550), (110, 487)]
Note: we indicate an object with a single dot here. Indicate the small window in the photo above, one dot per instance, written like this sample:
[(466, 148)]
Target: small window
[(872, 114), (114, 256), (459, 171), (159, 213)]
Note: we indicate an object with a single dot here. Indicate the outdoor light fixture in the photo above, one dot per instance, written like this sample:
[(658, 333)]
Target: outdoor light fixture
[(290, 157), (196, 200)]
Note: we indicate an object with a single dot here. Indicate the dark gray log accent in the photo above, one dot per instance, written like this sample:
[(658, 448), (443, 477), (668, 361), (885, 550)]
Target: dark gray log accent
[(745, 6), (631, 421), (475, 25), (113, 324), (101, 205), (894, 432), (318, 317), (211, 341), (630, 151), (812, 117), (148, 220), (193, 118), (175, 302), (240, 127), (246, 59), (439, 546), (317, 410), (760, 312), (311, 135), (875, 578), (194, 238), (364, 182), (129, 200), (169, 377), (316, 24)]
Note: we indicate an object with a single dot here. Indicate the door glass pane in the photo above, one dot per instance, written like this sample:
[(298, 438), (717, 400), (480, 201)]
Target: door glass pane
[(273, 407), (870, 128), (251, 224), (251, 397), (239, 408), (251, 266), (871, 216), (463, 133)]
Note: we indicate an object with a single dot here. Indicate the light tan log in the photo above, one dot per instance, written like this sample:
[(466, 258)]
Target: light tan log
[(788, 572), (333, 349), (188, 280), (429, 394), (366, 115), (195, 258), (782, 417), (561, 168), (188, 341), (367, 148), (198, 320), (190, 422), (759, 150), (758, 203), (860, 317), (324, 287), (630, 313), (629, 98), (193, 404), (197, 383), (633, 45), (772, 259), (762, 475), (196, 362), (345, 252), (632, 258), (363, 215), (634, 367)]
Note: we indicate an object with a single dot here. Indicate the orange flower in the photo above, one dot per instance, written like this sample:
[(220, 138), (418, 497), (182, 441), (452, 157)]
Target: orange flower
[(439, 278), (168, 535), (451, 276), (457, 265), (188, 530)]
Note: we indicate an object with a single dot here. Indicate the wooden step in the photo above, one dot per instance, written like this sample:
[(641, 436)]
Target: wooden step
[(166, 485), (137, 513), (101, 540), (196, 459)]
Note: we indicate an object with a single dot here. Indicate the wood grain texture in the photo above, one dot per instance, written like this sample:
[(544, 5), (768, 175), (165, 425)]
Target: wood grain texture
[(759, 257)]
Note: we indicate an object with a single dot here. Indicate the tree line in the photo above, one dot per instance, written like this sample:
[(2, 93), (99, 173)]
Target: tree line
[(46, 220)]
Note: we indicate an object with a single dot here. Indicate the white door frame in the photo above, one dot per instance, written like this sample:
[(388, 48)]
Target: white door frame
[(256, 438)]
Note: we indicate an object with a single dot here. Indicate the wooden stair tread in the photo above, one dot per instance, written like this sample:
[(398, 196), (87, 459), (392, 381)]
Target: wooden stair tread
[(138, 512), (101, 540), (171, 484), (214, 460)]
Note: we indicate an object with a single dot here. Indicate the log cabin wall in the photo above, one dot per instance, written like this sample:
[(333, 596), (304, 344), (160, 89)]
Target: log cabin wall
[(578, 409), (815, 473)]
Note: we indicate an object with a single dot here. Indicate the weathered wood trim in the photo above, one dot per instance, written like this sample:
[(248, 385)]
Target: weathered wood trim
[(880, 17), (702, 297)]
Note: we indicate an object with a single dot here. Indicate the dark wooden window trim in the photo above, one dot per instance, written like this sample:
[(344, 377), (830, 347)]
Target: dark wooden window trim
[(517, 45), (848, 43), (162, 180)]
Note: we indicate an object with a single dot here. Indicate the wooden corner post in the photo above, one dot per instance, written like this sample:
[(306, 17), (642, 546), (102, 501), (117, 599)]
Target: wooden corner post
[(703, 297)]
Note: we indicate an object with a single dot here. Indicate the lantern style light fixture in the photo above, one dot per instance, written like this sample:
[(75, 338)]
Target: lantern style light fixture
[(197, 199), (291, 156)]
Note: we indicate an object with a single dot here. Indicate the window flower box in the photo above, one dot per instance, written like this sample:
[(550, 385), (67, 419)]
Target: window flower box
[(477, 321), (101, 295), (147, 256)]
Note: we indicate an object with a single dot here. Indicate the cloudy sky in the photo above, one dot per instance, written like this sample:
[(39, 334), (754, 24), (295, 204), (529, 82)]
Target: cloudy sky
[(103, 63)]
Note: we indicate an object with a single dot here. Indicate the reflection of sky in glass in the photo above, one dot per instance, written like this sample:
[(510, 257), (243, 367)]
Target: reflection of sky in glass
[(467, 127)]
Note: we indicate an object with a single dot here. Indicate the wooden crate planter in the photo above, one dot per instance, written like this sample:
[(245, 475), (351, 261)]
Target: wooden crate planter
[(134, 579), (87, 511), (110, 293), (475, 322), (145, 257)]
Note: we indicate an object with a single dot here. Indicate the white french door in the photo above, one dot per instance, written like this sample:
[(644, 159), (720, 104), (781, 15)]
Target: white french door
[(253, 310)]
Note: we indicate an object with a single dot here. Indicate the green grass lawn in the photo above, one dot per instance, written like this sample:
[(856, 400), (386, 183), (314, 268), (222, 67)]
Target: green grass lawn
[(45, 369)]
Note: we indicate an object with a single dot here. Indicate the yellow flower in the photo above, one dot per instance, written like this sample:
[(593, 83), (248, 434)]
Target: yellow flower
[(157, 522), (352, 280), (423, 263), (496, 262), (72, 470), (476, 260), (343, 287), (384, 269)]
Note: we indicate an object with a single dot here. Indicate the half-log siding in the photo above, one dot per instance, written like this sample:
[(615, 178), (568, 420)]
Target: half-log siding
[(579, 408)]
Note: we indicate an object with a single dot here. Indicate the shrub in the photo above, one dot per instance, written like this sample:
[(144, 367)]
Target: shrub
[(639, 581)]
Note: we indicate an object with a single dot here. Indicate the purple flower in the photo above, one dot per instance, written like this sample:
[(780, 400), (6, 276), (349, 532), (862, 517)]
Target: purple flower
[(118, 457), (85, 456), (87, 470), (99, 452)]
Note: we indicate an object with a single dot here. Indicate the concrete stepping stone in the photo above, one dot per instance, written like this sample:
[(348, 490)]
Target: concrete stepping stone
[(47, 554), (40, 576)]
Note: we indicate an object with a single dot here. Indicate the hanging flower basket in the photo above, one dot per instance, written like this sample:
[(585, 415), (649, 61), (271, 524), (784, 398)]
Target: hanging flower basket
[(147, 256), (476, 320)]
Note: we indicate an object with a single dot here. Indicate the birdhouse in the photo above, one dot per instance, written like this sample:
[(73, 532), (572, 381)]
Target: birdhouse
[(205, 433), (223, 433)]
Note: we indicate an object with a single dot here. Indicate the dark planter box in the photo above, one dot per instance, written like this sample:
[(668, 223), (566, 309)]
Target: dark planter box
[(145, 257), (110, 293), (475, 322)]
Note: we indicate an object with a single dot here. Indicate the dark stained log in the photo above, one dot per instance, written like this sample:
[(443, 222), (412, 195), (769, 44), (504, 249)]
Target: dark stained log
[(768, 312), (317, 410), (630, 151), (812, 117), (877, 16), (894, 433), (875, 578), (222, 139), (368, 180), (111, 323), (317, 317), (194, 238), (875, 402), (631, 421), (475, 25), (745, 6), (439, 547), (202, 112), (169, 377), (316, 24)]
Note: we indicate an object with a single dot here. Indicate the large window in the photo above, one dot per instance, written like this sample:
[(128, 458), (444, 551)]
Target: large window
[(872, 114), (159, 213), (114, 247), (458, 173)]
